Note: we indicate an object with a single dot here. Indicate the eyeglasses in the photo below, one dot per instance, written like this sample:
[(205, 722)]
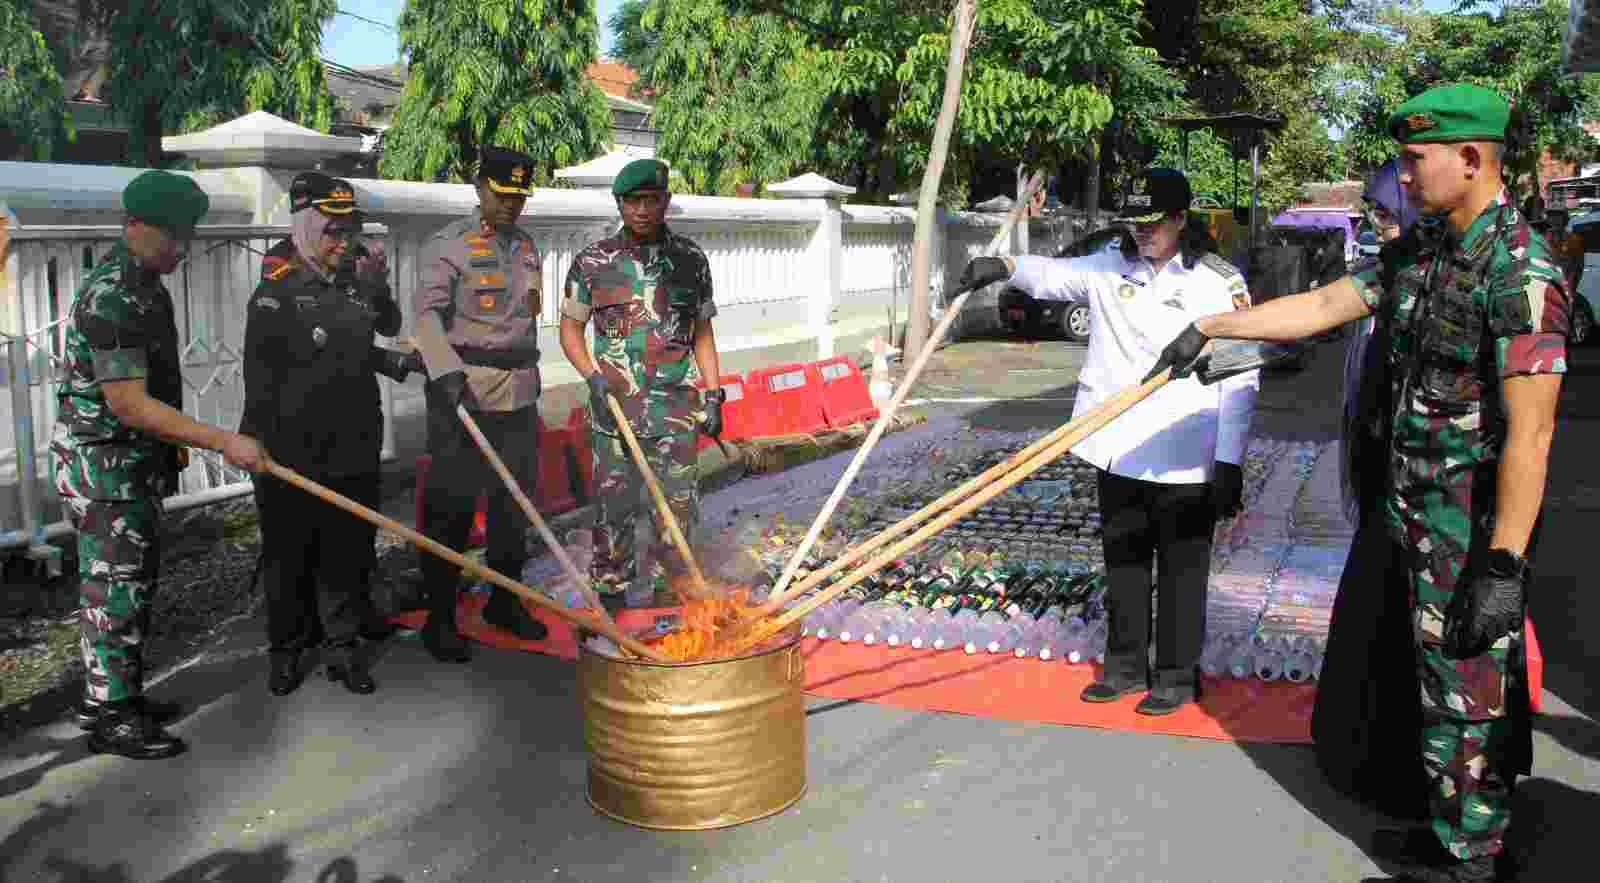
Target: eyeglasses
[(643, 200)]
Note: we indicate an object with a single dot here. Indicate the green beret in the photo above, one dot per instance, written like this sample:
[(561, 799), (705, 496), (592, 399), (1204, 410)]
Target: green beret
[(641, 174), (1459, 112), (166, 200)]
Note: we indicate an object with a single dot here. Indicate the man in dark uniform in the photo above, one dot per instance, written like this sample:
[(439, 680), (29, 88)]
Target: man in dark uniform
[(1477, 315), (117, 452), (477, 326), (310, 395)]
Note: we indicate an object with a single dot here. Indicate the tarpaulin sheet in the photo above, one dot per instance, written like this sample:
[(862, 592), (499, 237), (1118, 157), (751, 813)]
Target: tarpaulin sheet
[(982, 685)]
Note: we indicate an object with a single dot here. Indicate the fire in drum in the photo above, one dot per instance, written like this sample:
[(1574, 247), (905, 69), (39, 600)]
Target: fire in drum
[(695, 745)]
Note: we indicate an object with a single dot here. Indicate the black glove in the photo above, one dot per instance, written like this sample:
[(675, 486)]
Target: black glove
[(394, 364), (599, 408), (1181, 354), (1227, 489), (385, 312), (982, 271), (713, 399), (1487, 608), (447, 391)]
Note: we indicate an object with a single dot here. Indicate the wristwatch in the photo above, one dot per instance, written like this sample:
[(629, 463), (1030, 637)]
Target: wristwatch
[(718, 395), (1504, 563)]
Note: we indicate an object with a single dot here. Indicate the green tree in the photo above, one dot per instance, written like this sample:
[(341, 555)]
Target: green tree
[(861, 82), (634, 44), (506, 72), (289, 81), (33, 114)]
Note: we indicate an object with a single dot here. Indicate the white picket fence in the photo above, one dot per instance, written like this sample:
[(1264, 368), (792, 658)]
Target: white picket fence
[(807, 273)]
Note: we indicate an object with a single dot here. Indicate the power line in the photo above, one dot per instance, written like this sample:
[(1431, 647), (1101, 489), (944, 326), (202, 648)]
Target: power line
[(387, 27)]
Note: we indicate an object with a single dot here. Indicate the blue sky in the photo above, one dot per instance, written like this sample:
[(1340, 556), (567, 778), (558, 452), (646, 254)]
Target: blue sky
[(357, 43)]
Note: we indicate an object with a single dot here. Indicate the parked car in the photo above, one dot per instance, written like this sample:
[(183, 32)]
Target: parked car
[(1022, 314)]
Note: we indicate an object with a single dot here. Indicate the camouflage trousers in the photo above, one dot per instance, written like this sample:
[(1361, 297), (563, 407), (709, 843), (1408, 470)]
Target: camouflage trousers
[(1472, 710), (621, 494), (119, 553)]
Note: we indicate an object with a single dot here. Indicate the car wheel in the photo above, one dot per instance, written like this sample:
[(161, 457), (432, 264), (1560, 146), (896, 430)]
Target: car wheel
[(1075, 322), (1582, 324)]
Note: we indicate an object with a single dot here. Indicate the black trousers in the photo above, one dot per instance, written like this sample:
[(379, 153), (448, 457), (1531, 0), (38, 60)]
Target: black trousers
[(458, 475), (1170, 525), (317, 561), (1367, 715)]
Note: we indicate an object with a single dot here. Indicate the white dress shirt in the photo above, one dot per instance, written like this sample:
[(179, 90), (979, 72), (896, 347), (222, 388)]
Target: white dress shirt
[(1176, 434)]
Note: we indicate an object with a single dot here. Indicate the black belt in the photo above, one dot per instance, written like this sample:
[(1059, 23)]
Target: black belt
[(505, 360)]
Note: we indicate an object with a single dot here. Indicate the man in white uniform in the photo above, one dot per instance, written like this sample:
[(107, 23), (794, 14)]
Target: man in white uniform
[(1169, 466)]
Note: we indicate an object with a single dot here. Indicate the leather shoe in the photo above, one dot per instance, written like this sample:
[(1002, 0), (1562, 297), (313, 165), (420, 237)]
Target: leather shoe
[(1105, 691), (355, 678), (1479, 870), (123, 730), (285, 677), (614, 602), (87, 711), (506, 613), (1163, 701), (445, 643)]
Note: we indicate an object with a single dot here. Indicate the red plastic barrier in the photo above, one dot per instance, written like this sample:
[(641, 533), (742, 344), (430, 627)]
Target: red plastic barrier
[(582, 452), (477, 537), (845, 398), (793, 400), (741, 411), (555, 484), (1535, 667)]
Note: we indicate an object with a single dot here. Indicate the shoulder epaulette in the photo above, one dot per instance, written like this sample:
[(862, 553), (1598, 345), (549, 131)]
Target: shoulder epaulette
[(1219, 266), (274, 268)]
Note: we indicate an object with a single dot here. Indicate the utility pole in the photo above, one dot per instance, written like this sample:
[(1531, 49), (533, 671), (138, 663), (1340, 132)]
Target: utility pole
[(966, 11)]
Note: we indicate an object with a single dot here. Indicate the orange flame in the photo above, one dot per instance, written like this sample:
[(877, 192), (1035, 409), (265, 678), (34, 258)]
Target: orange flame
[(706, 622)]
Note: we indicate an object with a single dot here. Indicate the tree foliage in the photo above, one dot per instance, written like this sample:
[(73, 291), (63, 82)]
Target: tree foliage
[(763, 88), (505, 72), (32, 107)]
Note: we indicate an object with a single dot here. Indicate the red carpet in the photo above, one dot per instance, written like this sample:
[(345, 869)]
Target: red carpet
[(992, 686)]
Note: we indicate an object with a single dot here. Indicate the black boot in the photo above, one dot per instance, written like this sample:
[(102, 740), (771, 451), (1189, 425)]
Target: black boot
[(122, 729), (285, 677), (440, 635), (345, 667), (506, 613), (87, 711), (1478, 870)]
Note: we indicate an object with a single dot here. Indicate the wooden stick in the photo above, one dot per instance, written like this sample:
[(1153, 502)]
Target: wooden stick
[(992, 474), (549, 538), (1085, 426), (667, 517), (581, 619), (778, 590)]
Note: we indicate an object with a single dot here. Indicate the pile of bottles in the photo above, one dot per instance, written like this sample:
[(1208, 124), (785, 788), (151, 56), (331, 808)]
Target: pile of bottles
[(977, 602)]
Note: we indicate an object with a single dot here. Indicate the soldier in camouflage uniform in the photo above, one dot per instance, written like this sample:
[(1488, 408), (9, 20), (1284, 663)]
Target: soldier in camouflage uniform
[(1478, 319), (477, 327), (648, 291), (118, 448)]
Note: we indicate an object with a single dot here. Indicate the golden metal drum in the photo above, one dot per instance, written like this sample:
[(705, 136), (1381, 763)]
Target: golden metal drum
[(695, 745)]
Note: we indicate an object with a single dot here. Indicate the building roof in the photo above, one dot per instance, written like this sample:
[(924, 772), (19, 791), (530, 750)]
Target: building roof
[(1331, 195), (612, 76), (367, 93)]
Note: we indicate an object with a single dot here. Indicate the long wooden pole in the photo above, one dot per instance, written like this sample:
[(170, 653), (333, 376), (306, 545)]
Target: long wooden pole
[(667, 517), (581, 619), (885, 416), (1085, 426), (517, 494), (972, 485)]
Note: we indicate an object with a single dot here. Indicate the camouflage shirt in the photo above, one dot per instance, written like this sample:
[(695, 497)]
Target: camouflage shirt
[(645, 299), (1462, 317), (122, 327)]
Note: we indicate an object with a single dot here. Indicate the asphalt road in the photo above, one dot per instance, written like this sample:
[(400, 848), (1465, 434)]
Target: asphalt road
[(476, 773)]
